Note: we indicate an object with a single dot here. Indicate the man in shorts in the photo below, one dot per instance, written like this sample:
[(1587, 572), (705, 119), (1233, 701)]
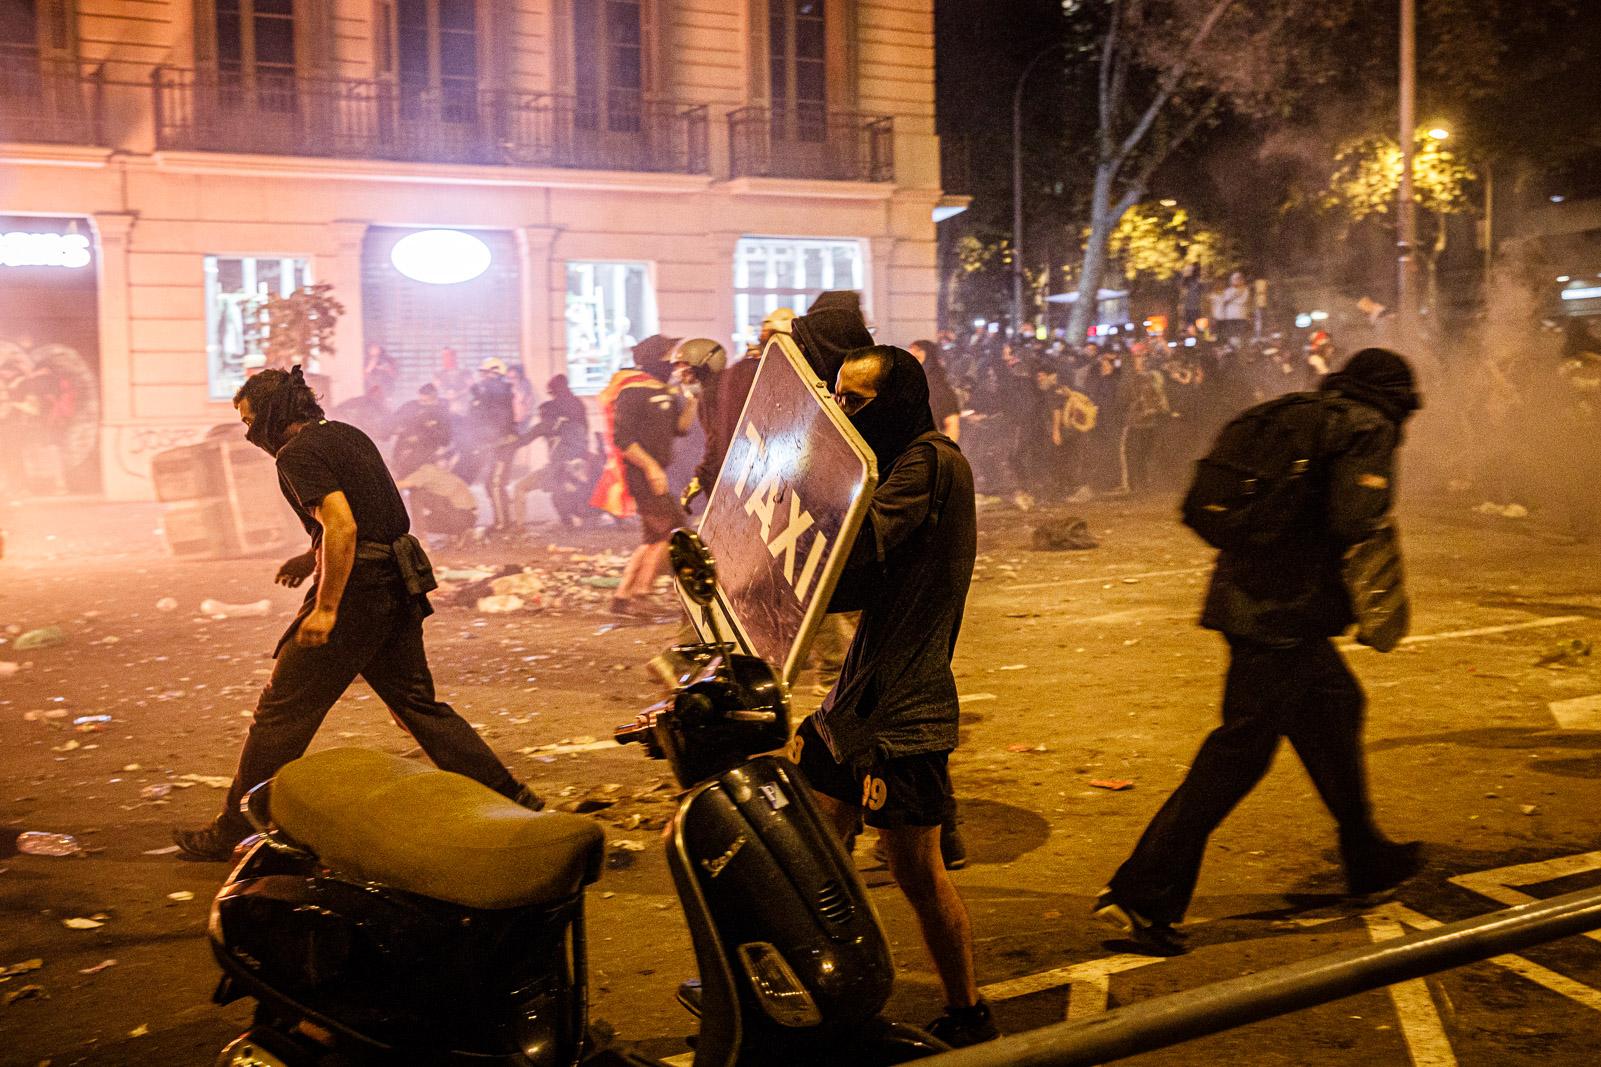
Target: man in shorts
[(650, 415), (878, 747)]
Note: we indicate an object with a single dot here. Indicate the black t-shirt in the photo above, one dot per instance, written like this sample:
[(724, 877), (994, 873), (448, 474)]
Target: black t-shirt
[(909, 571), (647, 415), (329, 457)]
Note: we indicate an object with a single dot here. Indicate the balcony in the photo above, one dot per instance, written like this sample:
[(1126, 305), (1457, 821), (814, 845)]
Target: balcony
[(47, 101), (800, 143), (353, 119)]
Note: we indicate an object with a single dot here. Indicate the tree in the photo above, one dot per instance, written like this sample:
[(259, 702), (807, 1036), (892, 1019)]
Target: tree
[(298, 328), (1157, 240), (1367, 178), (1164, 70)]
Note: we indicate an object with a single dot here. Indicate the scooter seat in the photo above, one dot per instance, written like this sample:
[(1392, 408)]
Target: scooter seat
[(379, 818)]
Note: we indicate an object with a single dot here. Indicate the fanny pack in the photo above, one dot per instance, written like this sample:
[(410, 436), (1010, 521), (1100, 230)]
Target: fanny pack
[(409, 556)]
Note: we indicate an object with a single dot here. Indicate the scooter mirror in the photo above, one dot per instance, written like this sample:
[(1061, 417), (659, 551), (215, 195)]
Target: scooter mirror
[(694, 568)]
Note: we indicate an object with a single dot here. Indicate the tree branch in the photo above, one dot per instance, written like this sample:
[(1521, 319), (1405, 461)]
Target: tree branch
[(1184, 133), (1170, 82), (1109, 62)]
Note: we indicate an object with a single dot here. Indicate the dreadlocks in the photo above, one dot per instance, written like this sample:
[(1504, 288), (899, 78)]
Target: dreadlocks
[(278, 400)]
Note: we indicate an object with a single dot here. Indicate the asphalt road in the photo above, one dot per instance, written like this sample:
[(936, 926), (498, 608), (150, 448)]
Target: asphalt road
[(1075, 667)]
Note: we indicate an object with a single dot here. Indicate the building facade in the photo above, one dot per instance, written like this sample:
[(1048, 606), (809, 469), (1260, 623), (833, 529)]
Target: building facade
[(545, 181)]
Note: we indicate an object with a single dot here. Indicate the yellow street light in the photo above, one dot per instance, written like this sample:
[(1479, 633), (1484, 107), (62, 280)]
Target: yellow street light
[(1439, 133)]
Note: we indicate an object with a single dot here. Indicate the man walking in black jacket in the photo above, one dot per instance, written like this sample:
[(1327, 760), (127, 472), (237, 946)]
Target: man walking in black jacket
[(1278, 607)]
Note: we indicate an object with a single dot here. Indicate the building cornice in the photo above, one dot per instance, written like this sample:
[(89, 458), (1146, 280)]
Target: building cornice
[(228, 164), (54, 155), (809, 189)]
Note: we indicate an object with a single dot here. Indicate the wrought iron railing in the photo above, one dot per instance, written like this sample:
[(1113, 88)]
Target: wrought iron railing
[(47, 100), (811, 143), (362, 119)]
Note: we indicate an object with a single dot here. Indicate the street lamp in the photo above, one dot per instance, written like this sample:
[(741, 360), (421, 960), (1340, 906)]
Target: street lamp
[(1017, 184), (1406, 220)]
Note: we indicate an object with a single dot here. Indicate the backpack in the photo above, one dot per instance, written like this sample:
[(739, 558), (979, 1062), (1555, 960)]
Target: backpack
[(1257, 486)]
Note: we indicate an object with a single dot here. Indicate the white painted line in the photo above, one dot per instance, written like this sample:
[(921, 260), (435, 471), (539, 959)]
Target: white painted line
[(1103, 579), (1580, 713), (1426, 1040), (1557, 983), (976, 698), (557, 750), (1090, 971), (1499, 884), (1482, 631)]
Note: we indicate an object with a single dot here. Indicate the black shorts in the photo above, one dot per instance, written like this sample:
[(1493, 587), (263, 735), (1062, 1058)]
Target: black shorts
[(659, 515), (905, 791)]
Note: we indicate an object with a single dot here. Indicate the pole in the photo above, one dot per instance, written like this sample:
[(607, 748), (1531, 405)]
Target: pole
[(1210, 1009), (1489, 224), (1017, 184), (1406, 209)]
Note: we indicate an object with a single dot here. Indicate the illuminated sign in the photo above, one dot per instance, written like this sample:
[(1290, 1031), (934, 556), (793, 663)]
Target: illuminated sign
[(440, 257), (19, 249), (1588, 293)]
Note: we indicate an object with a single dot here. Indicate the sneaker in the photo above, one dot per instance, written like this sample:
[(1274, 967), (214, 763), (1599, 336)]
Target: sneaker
[(1150, 937), (622, 606), (951, 847), (208, 844), (1382, 867), (529, 799), (960, 1027)]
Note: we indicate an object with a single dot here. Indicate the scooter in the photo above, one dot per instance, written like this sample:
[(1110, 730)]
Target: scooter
[(387, 912)]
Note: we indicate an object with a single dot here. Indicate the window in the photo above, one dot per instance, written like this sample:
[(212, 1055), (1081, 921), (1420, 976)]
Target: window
[(775, 272), (610, 307), (608, 64), (256, 54), (234, 284), (797, 68), (438, 58)]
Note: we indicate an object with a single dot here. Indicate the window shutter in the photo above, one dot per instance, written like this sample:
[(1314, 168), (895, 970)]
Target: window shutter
[(205, 31), (653, 56), (58, 37), (497, 34), (314, 38), (383, 39)]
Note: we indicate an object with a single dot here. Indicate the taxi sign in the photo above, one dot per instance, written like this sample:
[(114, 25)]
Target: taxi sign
[(791, 495)]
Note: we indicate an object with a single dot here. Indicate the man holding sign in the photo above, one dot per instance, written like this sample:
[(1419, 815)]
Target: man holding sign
[(878, 748)]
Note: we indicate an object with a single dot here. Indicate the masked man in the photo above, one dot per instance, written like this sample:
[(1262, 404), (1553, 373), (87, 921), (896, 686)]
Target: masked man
[(878, 747), (362, 616)]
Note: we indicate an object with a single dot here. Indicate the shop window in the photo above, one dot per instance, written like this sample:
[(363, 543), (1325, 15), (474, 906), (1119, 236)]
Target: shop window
[(610, 307), (234, 285), (775, 272)]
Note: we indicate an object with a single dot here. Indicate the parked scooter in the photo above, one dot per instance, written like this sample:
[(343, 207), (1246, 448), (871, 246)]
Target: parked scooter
[(391, 913)]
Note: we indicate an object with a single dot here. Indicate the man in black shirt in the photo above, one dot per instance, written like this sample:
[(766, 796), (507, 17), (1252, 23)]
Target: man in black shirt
[(878, 747), (422, 428), (362, 616)]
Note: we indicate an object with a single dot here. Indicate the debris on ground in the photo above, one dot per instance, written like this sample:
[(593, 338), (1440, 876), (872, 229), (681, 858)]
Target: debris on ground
[(1064, 535), (1505, 511), (1024, 746), (44, 637), (215, 781), (8, 668), (181, 896), (167, 603), (1529, 809), (141, 1030), (39, 843), (218, 610), (1116, 785), (27, 992), (168, 851), (1569, 653), (20, 968), (97, 968), (571, 580), (155, 792), (80, 923), (499, 605)]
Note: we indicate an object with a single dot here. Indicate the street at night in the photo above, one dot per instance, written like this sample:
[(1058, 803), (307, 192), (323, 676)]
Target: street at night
[(1074, 668)]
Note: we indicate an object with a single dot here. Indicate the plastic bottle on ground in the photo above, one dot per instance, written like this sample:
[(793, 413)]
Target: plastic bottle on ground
[(256, 609)]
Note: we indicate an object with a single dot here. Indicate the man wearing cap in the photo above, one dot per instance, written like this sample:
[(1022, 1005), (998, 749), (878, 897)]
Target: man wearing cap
[(1277, 606), (698, 364), (728, 400)]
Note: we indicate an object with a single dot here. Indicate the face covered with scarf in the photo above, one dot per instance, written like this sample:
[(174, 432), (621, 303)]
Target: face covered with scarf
[(1381, 378), (883, 391), (273, 401)]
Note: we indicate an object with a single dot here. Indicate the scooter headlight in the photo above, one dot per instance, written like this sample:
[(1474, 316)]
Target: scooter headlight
[(780, 993)]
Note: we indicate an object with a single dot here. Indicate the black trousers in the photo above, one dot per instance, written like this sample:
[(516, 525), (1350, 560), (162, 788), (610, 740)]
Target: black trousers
[(378, 636), (1304, 693)]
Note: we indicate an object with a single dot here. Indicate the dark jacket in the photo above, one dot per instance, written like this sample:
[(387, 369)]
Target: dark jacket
[(1294, 590)]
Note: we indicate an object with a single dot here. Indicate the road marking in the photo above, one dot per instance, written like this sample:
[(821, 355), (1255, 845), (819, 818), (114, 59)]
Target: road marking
[(1106, 579), (1421, 1027), (1579, 713), (976, 698), (1481, 631), (1557, 983), (557, 750), (1499, 884), (1094, 973)]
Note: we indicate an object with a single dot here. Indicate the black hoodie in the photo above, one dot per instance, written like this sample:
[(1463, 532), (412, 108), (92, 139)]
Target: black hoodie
[(831, 329)]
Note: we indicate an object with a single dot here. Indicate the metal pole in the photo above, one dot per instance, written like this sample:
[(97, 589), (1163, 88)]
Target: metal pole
[(1017, 185), (1165, 1021), (1406, 211), (1489, 224)]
